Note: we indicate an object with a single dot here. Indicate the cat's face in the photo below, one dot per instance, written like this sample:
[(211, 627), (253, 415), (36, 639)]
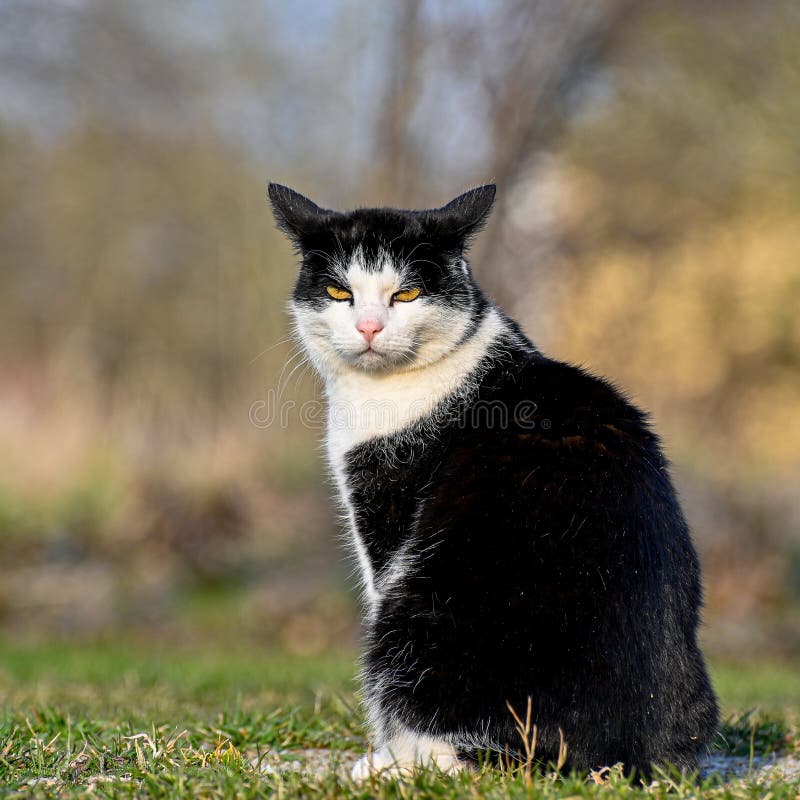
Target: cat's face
[(382, 290)]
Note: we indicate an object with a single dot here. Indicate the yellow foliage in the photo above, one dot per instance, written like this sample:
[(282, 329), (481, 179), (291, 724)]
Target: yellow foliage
[(706, 333)]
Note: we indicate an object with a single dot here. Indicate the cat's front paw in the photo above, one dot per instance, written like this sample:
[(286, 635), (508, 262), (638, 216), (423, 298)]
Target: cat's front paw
[(392, 762), (370, 764)]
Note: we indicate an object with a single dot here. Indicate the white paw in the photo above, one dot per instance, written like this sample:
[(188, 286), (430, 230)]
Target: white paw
[(403, 755), (372, 764)]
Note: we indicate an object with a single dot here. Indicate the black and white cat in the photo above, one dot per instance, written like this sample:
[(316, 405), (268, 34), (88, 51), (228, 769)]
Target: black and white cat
[(516, 528)]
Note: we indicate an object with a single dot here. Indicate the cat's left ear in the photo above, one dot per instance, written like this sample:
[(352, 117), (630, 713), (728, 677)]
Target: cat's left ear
[(464, 216), (297, 216)]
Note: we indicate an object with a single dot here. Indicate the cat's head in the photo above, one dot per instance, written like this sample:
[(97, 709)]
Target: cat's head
[(382, 289)]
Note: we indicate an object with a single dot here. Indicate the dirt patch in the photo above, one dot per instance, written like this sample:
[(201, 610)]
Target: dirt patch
[(320, 761)]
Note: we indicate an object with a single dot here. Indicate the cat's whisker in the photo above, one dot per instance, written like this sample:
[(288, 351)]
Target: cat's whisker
[(266, 350), (299, 380), (299, 353), (301, 363)]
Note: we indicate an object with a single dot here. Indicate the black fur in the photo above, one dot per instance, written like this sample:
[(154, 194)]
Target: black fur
[(556, 565), (548, 554)]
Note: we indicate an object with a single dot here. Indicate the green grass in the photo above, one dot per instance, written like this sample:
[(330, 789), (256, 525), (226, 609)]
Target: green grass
[(126, 721)]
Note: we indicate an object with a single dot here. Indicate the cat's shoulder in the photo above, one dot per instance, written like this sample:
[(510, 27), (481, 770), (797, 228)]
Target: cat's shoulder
[(555, 403), (576, 390)]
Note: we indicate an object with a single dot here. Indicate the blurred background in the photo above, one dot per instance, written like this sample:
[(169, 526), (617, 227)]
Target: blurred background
[(157, 477)]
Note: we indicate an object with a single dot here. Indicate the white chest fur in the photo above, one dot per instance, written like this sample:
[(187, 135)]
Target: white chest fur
[(364, 405)]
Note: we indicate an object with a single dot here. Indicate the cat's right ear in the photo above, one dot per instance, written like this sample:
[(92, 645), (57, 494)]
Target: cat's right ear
[(297, 216)]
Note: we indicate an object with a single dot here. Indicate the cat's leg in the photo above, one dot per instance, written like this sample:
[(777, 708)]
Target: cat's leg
[(404, 752)]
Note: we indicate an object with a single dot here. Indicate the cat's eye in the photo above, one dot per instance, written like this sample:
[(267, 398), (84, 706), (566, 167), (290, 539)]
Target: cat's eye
[(337, 293), (407, 295)]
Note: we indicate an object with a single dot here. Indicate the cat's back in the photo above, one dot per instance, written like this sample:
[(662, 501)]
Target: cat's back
[(568, 495), (554, 464), (533, 411)]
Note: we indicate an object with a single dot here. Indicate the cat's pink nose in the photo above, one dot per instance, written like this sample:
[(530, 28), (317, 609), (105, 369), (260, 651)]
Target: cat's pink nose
[(369, 328)]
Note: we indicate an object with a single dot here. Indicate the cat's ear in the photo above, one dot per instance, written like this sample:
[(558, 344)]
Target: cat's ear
[(464, 216), (297, 216)]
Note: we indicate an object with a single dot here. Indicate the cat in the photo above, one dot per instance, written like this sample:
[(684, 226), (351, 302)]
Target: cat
[(517, 533)]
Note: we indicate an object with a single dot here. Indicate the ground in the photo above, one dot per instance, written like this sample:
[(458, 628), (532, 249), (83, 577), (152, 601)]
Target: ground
[(139, 720)]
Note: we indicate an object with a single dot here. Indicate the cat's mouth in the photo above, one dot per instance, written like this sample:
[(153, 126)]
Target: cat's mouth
[(371, 355), (371, 358)]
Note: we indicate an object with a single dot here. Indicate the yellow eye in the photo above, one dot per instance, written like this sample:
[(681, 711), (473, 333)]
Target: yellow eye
[(407, 295), (338, 294)]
